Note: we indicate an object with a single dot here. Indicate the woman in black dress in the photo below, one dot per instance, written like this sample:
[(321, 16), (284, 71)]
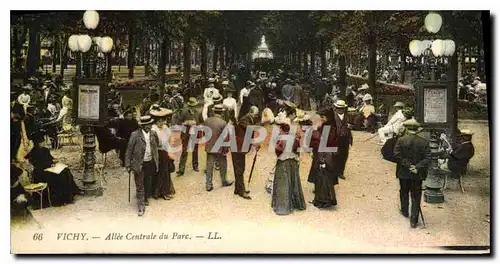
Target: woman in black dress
[(322, 166), (62, 186)]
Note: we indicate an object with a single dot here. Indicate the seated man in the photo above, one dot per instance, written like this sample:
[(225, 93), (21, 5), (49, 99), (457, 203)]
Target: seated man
[(459, 157), (393, 125), (366, 115)]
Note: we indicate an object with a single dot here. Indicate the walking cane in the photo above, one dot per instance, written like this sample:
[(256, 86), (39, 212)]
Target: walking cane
[(253, 164), (129, 186), (422, 215)]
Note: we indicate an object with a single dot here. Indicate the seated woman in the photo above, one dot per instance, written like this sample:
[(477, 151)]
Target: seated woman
[(62, 185), (366, 115)]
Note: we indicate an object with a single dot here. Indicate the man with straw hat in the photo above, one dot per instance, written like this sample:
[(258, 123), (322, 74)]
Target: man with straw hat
[(343, 137), (163, 186), (239, 156), (459, 157), (189, 117), (142, 159), (386, 132), (411, 154), (216, 124)]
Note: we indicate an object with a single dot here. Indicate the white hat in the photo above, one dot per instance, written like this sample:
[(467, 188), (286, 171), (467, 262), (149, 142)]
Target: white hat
[(399, 104), (282, 119), (211, 80), (367, 97), (267, 116), (340, 104), (273, 84), (225, 83), (467, 132), (363, 87)]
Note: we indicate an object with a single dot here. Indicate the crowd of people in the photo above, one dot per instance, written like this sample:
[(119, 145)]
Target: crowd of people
[(284, 101)]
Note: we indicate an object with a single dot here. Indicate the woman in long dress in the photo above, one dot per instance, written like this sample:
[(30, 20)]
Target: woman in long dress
[(163, 187), (287, 189), (321, 170), (62, 185)]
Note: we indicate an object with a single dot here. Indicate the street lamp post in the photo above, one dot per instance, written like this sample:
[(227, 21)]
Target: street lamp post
[(430, 99), (81, 44)]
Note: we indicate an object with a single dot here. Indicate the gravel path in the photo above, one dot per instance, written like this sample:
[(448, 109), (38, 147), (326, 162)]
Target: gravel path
[(366, 219)]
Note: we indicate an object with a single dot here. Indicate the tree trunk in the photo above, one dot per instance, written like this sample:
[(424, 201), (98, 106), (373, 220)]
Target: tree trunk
[(33, 54), (215, 57), (203, 64), (63, 54), (162, 64), (312, 69), (226, 55), (342, 76), (372, 66), (187, 58), (170, 58), (452, 76), (19, 41), (221, 56), (323, 58), (306, 65), (147, 58), (109, 66), (402, 53), (55, 48), (131, 54)]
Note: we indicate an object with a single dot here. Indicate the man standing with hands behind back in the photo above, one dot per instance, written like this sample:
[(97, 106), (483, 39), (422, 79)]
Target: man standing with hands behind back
[(411, 154), (142, 158)]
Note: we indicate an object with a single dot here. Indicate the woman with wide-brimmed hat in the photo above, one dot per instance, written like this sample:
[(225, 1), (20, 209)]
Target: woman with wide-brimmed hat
[(162, 184), (287, 189)]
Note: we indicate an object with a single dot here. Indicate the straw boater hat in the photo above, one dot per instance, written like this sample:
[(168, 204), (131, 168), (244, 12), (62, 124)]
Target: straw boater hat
[(367, 97), (399, 104), (363, 87), (340, 104), (192, 102), (412, 124), (216, 97), (225, 83), (158, 111), (219, 108), (145, 120), (211, 80), (466, 132)]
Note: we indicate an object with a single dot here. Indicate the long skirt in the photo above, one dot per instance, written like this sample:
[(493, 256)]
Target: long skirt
[(62, 188), (287, 189), (324, 192), (163, 184)]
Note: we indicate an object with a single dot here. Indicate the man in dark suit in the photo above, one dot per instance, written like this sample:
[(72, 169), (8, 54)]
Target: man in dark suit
[(239, 156), (216, 124), (190, 116), (459, 158), (343, 138), (411, 154), (142, 158)]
